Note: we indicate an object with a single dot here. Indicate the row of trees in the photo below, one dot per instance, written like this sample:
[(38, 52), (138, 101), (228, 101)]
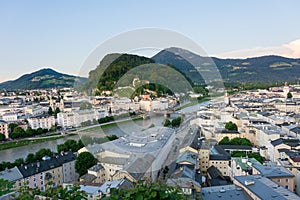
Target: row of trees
[(235, 141), (19, 132), (70, 145), (174, 123), (257, 156), (59, 192), (143, 189)]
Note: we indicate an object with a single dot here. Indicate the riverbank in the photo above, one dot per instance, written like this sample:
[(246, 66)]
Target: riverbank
[(194, 103), (108, 124), (24, 142)]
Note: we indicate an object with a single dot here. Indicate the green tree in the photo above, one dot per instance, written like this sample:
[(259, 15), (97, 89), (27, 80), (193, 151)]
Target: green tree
[(42, 152), (2, 137), (29, 132), (79, 144), (12, 126), (5, 186), (39, 131), (18, 132), (245, 142), (57, 110), (289, 95), (53, 128), (146, 189), (112, 137), (225, 141), (71, 145), (83, 162), (30, 158), (231, 126), (50, 111), (167, 123), (176, 122), (19, 162), (61, 148)]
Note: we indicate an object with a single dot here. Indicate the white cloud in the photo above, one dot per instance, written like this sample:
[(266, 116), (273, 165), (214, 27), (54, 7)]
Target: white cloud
[(291, 50)]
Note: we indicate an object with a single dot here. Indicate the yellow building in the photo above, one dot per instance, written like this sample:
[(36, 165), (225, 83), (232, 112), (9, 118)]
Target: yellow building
[(4, 128)]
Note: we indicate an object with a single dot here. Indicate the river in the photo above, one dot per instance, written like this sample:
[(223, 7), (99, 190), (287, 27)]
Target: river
[(120, 129)]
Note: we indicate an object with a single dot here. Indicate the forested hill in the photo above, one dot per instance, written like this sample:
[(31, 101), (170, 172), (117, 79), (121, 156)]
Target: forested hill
[(258, 69), (41, 79), (111, 69)]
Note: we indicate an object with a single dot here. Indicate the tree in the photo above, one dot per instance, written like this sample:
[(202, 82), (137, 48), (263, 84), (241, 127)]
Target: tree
[(83, 162), (39, 131), (30, 132), (167, 123), (42, 152), (12, 126), (30, 158), (231, 126), (19, 162), (71, 145), (2, 137), (225, 141), (112, 137), (18, 132), (57, 110), (176, 122), (61, 148), (235, 141), (146, 189), (289, 95), (50, 111), (5, 186)]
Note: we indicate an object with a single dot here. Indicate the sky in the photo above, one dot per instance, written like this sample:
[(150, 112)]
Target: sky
[(61, 34)]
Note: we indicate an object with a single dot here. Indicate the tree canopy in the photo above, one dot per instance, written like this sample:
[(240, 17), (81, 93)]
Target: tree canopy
[(146, 189), (231, 126), (83, 162), (235, 141)]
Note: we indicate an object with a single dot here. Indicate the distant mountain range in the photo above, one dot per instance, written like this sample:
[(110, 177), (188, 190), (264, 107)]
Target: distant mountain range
[(41, 79), (259, 69)]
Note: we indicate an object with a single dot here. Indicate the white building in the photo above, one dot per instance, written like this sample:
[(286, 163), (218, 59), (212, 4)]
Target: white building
[(75, 118), (10, 117), (44, 122)]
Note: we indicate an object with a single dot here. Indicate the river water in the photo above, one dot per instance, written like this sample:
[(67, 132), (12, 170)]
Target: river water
[(119, 129)]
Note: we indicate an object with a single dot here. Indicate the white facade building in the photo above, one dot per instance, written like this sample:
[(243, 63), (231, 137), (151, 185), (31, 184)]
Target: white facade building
[(44, 122)]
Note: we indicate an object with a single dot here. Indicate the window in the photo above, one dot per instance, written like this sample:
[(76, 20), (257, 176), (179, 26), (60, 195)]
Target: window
[(286, 180), (287, 187)]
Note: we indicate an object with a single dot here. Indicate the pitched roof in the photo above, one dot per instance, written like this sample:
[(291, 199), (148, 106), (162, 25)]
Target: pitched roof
[(12, 174), (187, 156)]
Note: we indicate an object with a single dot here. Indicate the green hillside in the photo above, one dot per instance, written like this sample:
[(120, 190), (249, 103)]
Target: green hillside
[(41, 79)]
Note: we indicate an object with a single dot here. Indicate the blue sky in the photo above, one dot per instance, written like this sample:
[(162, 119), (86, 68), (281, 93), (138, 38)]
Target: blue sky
[(61, 34)]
